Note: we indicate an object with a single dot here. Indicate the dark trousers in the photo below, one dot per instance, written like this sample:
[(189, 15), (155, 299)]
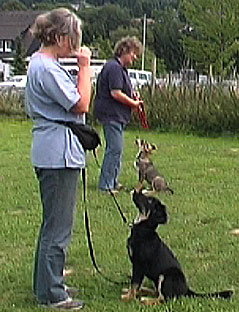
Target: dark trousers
[(58, 196)]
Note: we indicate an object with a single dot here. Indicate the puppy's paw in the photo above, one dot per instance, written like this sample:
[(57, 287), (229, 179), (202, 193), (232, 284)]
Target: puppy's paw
[(125, 290), (152, 301), (129, 295), (235, 232), (145, 291)]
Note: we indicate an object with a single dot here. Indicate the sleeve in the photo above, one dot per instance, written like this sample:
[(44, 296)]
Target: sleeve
[(115, 77), (59, 86)]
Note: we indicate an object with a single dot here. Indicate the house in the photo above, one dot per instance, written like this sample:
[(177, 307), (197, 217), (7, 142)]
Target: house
[(13, 25)]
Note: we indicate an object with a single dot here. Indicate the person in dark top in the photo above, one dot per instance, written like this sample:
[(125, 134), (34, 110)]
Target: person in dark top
[(112, 107)]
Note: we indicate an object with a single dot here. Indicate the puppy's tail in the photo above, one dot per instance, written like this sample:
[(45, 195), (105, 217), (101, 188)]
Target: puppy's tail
[(225, 294)]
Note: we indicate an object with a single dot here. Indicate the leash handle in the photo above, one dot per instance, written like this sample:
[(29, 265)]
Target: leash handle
[(142, 116)]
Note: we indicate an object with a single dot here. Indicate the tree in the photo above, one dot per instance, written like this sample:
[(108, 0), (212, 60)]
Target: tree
[(105, 48), (19, 62), (211, 34), (121, 32), (167, 39), (138, 8), (111, 17), (13, 5)]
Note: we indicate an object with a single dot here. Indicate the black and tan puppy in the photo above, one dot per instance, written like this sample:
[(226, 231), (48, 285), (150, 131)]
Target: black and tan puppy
[(146, 169), (153, 259)]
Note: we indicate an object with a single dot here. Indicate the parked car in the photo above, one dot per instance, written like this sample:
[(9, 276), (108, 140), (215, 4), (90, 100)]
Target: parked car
[(14, 82), (139, 78)]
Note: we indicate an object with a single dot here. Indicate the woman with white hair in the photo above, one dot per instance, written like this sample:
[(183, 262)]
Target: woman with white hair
[(57, 155)]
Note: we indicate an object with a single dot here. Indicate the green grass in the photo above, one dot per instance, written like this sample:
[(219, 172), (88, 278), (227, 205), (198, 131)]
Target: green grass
[(204, 174)]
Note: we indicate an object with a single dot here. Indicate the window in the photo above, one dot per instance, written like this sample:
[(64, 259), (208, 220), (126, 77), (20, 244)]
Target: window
[(142, 76), (8, 46), (5, 45), (132, 75)]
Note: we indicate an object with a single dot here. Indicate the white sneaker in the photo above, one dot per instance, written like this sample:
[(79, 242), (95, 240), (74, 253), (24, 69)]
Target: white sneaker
[(67, 304)]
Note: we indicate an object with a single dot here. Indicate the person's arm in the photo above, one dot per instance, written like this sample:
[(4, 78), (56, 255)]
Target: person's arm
[(83, 81), (121, 97)]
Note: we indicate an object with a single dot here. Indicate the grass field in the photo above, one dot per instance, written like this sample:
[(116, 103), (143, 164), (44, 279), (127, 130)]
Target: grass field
[(204, 174)]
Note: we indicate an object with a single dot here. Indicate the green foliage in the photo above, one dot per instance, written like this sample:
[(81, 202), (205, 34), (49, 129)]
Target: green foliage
[(11, 103), (19, 62), (204, 110), (204, 209), (105, 48), (121, 32), (167, 43), (138, 8), (149, 57), (13, 5), (47, 6), (99, 22), (213, 36)]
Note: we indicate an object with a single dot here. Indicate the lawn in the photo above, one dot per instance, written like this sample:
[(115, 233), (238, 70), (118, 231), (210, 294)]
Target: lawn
[(204, 175)]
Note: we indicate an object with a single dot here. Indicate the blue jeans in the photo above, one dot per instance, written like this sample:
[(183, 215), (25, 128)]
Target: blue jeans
[(114, 135), (58, 196)]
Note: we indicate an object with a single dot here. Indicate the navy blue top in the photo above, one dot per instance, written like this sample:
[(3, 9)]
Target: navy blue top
[(113, 76)]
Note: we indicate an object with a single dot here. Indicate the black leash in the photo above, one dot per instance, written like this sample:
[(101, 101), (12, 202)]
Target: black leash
[(112, 194), (87, 226)]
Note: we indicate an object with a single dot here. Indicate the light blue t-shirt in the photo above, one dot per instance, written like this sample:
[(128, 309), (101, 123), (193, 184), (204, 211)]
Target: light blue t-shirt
[(50, 95)]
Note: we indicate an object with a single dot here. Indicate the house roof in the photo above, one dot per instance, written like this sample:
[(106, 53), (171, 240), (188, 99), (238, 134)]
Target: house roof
[(13, 23)]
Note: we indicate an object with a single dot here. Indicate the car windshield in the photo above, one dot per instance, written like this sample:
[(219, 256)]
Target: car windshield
[(142, 76), (132, 75)]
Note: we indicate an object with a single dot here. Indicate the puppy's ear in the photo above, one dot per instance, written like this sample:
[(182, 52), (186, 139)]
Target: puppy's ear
[(160, 212), (138, 142), (154, 147)]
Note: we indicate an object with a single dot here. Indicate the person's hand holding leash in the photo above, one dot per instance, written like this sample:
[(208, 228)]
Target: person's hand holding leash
[(137, 103), (142, 115), (136, 95)]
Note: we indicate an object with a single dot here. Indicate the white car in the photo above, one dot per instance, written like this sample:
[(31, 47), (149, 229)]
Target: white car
[(139, 78), (18, 81)]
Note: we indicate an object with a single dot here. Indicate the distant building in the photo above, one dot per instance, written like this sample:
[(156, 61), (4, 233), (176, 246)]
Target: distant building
[(14, 25)]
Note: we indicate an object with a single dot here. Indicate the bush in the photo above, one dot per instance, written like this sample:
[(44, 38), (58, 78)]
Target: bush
[(201, 110), (12, 102), (204, 110)]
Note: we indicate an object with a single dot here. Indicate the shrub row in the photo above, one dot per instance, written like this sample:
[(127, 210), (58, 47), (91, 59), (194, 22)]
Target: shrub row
[(12, 103), (205, 110)]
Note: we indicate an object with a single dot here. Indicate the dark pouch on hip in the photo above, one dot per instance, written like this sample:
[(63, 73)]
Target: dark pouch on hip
[(87, 135)]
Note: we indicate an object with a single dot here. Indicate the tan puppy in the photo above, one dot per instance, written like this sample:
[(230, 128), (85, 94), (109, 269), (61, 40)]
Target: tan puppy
[(146, 169)]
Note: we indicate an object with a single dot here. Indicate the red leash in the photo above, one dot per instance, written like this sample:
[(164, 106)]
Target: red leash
[(142, 116)]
